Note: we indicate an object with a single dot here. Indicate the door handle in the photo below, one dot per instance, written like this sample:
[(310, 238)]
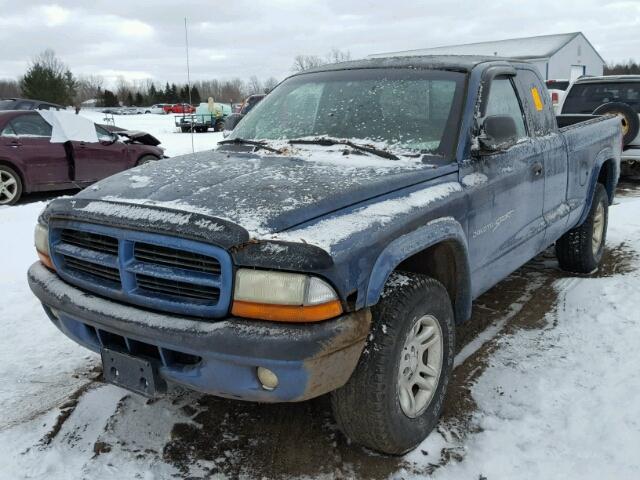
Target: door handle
[(15, 143), (537, 169)]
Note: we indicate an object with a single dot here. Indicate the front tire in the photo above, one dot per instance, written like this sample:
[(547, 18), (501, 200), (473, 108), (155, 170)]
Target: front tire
[(10, 186), (395, 396), (580, 250), (146, 159)]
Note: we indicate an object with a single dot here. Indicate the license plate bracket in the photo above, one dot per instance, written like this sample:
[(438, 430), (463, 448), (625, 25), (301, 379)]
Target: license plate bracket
[(133, 373)]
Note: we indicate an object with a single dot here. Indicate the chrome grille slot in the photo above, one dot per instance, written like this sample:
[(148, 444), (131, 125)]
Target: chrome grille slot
[(91, 241), (173, 287), (101, 271), (172, 257)]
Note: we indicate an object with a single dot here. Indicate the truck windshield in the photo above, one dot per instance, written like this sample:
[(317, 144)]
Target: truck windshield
[(407, 109)]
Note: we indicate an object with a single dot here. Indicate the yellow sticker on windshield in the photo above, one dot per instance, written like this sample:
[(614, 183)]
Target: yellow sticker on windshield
[(537, 101)]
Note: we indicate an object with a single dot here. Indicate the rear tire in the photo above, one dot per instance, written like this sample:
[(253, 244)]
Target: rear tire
[(10, 186), (580, 250), (629, 117), (395, 396)]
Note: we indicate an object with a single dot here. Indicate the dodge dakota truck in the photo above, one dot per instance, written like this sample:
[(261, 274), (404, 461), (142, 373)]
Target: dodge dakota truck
[(334, 241)]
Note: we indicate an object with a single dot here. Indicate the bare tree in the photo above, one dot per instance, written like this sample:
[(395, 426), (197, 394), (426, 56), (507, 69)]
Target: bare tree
[(9, 89), (269, 84), (88, 87), (254, 85), (306, 62), (336, 55)]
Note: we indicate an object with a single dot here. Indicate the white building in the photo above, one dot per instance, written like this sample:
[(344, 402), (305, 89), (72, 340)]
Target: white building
[(561, 56)]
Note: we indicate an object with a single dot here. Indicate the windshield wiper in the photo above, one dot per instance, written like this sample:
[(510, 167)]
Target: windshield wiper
[(328, 142), (244, 141)]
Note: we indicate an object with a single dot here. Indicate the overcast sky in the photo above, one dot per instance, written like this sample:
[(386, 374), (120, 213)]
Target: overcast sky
[(240, 38)]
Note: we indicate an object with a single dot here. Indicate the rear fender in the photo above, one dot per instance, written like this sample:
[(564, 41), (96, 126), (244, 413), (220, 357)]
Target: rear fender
[(445, 229), (604, 155)]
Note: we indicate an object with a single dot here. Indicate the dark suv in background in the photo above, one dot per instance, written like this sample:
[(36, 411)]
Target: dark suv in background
[(26, 104), (616, 95)]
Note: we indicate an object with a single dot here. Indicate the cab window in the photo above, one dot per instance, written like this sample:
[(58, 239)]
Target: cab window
[(504, 101), (542, 120)]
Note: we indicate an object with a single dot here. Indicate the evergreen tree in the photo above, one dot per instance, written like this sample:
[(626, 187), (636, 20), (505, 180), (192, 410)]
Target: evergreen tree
[(167, 93), (48, 79), (195, 96), (152, 95), (138, 100), (183, 94), (173, 93), (109, 99), (128, 99)]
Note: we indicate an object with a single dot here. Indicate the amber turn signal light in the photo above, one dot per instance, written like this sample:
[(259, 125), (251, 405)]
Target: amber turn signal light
[(287, 313)]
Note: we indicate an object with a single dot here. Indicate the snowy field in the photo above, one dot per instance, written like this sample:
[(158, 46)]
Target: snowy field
[(546, 386)]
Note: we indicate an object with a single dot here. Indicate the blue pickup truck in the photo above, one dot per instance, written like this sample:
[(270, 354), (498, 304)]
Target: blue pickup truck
[(334, 241)]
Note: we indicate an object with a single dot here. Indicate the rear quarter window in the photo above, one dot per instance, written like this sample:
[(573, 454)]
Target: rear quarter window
[(538, 111)]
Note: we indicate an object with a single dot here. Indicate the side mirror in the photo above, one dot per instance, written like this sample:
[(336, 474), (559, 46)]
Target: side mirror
[(498, 132)]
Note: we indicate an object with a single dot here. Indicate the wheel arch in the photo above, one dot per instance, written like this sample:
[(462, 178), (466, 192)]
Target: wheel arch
[(438, 249), (146, 154), (606, 170), (608, 177)]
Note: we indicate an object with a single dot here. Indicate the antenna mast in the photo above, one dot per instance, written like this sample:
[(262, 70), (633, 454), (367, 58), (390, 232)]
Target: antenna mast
[(186, 42)]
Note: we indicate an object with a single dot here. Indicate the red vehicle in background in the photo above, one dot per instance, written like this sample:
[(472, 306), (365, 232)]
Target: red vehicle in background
[(181, 108)]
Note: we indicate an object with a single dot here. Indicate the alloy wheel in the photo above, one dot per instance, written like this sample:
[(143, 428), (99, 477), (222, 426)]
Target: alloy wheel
[(420, 366)]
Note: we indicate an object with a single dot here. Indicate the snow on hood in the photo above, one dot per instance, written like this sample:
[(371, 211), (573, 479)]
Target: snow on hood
[(329, 232), (67, 126), (263, 194)]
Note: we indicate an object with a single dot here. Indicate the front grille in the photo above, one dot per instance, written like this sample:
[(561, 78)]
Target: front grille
[(149, 270), (88, 268), (176, 258), (91, 241), (174, 287)]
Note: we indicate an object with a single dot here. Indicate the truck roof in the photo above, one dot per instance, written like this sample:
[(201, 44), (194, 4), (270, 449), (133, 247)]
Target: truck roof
[(459, 63)]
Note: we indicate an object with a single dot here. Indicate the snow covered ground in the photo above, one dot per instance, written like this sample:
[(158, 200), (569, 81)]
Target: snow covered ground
[(554, 394)]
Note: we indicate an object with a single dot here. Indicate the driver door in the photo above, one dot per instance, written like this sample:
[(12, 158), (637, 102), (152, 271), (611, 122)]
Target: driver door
[(95, 161), (506, 193)]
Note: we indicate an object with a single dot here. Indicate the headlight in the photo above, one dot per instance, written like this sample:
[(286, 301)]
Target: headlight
[(281, 296), (41, 240)]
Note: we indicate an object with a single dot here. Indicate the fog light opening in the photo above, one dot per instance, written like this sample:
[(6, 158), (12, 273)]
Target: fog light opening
[(267, 378)]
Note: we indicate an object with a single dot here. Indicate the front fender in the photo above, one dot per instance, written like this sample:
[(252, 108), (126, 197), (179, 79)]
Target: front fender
[(445, 229)]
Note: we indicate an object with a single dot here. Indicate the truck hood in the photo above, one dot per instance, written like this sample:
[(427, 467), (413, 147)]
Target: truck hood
[(264, 194)]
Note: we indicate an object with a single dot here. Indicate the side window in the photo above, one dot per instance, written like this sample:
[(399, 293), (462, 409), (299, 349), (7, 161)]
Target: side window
[(104, 135), (537, 102), (31, 126), (8, 131), (504, 101)]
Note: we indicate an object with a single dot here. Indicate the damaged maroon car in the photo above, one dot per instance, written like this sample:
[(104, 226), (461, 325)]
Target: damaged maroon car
[(31, 161)]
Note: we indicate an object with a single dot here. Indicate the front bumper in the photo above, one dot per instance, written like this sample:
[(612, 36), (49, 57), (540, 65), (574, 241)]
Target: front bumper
[(219, 358)]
